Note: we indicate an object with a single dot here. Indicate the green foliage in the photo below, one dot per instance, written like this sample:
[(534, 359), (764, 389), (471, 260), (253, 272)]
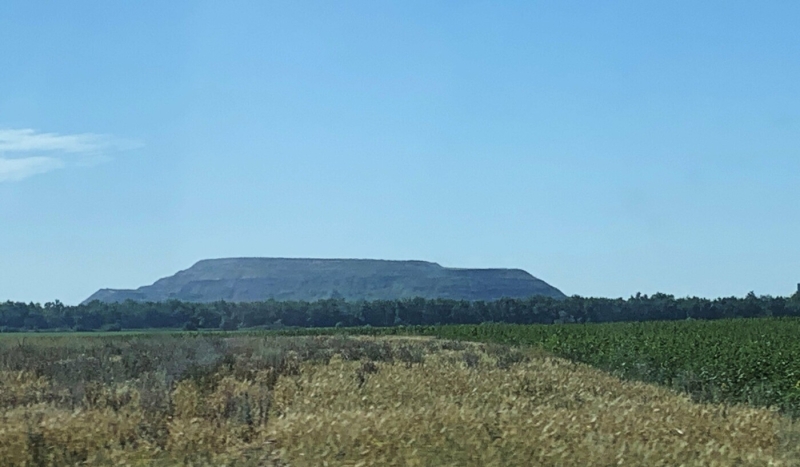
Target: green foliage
[(274, 314), (228, 324)]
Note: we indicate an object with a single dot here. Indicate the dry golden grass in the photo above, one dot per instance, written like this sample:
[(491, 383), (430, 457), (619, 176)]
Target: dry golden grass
[(459, 405)]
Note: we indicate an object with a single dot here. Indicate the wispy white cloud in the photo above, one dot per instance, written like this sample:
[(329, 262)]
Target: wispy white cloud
[(30, 140), (27, 152), (18, 169)]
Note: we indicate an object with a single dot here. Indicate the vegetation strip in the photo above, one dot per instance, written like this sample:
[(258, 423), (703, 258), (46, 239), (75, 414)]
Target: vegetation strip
[(248, 399), (272, 314), (753, 361)]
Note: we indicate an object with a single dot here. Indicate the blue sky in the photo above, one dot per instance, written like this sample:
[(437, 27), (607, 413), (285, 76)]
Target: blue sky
[(605, 147)]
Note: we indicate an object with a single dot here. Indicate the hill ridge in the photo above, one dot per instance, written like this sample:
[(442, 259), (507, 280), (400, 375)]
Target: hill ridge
[(247, 279)]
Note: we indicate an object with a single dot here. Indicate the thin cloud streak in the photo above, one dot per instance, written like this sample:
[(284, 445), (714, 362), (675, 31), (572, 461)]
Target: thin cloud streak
[(82, 149), (19, 169), (29, 140)]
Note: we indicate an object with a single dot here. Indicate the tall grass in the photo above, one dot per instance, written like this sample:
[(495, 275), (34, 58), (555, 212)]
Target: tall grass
[(255, 400)]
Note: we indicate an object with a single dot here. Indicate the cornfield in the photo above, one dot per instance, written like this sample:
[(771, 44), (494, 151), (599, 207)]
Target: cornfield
[(250, 400)]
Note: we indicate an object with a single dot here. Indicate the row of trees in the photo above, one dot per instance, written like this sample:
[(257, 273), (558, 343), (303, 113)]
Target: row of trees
[(17, 316)]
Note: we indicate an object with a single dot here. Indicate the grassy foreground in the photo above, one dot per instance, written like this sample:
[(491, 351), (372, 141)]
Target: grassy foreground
[(336, 400)]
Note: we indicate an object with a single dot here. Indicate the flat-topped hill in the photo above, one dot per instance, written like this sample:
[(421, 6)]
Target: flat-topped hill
[(257, 279)]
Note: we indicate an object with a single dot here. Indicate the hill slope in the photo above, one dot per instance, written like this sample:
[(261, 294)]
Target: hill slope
[(255, 279)]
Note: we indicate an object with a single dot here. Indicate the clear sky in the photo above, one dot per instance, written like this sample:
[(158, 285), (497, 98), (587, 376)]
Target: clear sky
[(605, 147)]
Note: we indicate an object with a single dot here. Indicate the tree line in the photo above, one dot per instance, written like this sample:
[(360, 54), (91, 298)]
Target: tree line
[(55, 316)]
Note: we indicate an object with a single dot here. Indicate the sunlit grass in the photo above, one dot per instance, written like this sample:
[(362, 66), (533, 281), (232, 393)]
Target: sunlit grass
[(249, 400)]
